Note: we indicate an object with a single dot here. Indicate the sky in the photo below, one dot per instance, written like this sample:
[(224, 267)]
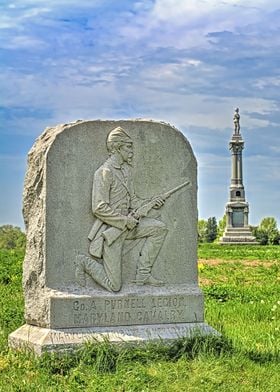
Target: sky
[(186, 62)]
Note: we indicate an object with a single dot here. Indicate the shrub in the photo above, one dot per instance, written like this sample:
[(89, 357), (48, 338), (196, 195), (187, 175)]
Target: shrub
[(11, 237)]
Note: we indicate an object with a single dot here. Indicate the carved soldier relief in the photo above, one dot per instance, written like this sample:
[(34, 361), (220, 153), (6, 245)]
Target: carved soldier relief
[(120, 215)]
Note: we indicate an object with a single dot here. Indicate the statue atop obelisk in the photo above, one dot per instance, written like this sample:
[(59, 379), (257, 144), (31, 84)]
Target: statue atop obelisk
[(237, 229), (236, 121)]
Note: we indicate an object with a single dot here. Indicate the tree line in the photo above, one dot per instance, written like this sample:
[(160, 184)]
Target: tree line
[(266, 233)]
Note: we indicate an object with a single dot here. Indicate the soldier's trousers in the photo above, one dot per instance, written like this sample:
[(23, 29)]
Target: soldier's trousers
[(154, 232)]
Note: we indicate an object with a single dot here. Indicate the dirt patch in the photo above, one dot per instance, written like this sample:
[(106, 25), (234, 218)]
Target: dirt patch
[(205, 282)]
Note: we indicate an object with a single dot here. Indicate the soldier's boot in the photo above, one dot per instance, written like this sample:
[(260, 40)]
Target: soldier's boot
[(147, 279), (95, 270)]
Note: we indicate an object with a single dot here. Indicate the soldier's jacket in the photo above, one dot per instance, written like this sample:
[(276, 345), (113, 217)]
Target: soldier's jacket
[(113, 197)]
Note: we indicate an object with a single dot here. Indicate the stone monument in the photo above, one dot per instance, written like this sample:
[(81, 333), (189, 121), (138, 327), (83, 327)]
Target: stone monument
[(110, 209), (237, 229)]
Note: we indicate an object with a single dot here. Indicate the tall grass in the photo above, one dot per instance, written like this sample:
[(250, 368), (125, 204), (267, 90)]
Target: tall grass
[(242, 301)]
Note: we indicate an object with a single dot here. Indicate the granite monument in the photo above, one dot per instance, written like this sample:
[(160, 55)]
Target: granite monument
[(110, 209)]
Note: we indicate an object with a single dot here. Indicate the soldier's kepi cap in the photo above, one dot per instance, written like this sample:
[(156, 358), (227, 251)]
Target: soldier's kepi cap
[(118, 135)]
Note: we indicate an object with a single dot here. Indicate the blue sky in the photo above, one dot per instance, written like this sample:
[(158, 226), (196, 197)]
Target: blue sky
[(189, 63)]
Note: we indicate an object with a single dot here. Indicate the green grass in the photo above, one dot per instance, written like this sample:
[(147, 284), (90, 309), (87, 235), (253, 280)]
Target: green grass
[(242, 300), (11, 299), (238, 252)]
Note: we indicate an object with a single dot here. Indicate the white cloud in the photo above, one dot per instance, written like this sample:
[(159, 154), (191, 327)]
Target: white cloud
[(200, 110), (269, 81), (14, 18), (15, 15), (185, 24), (22, 42), (79, 91), (275, 149), (192, 10)]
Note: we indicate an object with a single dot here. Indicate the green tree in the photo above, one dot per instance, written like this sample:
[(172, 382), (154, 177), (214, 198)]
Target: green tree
[(211, 229), (261, 236), (267, 232), (11, 237), (201, 228), (221, 227)]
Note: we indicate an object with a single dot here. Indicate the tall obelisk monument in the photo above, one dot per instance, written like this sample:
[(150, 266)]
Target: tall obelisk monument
[(237, 229)]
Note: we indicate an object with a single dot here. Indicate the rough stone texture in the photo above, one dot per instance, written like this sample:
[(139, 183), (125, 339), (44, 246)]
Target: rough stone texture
[(58, 218)]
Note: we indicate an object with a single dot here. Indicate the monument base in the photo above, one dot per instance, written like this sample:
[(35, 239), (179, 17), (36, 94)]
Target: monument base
[(42, 340), (238, 236)]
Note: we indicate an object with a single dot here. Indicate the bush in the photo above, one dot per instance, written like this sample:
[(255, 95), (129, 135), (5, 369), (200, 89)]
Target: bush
[(221, 227), (267, 232), (201, 228), (11, 237)]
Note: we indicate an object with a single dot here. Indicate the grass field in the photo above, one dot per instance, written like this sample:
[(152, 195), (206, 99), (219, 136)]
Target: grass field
[(242, 301), (238, 252)]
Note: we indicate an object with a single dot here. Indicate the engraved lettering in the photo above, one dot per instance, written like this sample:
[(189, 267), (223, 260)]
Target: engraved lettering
[(92, 306), (126, 303), (107, 303), (122, 311), (160, 302), (100, 316), (180, 313), (77, 319)]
